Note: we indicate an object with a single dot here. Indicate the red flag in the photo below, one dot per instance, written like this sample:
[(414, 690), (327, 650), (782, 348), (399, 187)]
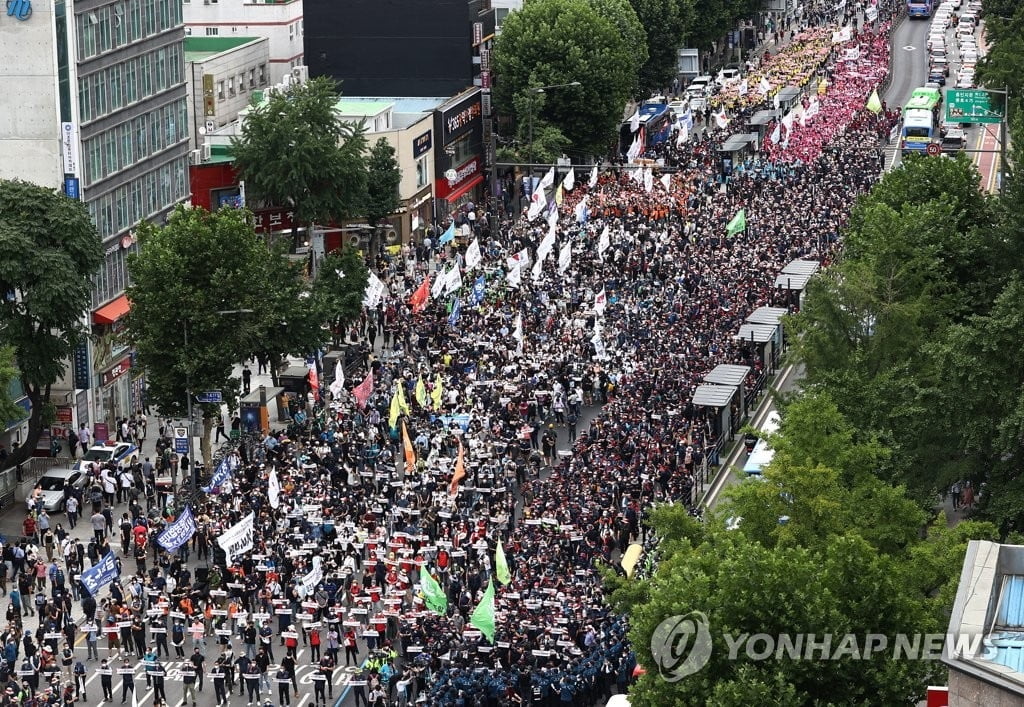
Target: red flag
[(362, 391), (314, 382), (410, 453), (419, 298), (459, 475)]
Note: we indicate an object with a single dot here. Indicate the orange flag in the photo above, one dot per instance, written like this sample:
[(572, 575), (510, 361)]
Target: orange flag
[(410, 454), (459, 475), (419, 298)]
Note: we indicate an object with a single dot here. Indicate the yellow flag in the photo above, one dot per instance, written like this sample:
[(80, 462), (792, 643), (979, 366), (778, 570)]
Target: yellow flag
[(874, 104), (401, 397), (435, 394), (396, 410), (558, 195), (421, 392)]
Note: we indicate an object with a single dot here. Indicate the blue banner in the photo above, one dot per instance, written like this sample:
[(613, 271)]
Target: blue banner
[(221, 474), (101, 574), (453, 318), (448, 236), (479, 289), (179, 532)]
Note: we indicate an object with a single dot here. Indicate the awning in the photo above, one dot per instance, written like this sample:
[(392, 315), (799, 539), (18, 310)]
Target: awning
[(713, 396), (112, 311), (727, 374), (464, 188)]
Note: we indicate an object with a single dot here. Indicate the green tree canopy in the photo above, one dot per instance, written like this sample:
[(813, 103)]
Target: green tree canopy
[(552, 42), (665, 23), (294, 150), (49, 250), (383, 180), (199, 264), (339, 288), (8, 373)]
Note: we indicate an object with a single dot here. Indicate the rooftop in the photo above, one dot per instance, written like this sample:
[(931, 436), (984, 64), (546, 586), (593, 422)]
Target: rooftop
[(199, 49)]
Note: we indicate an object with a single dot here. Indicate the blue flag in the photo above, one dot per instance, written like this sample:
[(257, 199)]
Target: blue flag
[(100, 575), (221, 474), (448, 236), (453, 318), (179, 532), (479, 288)]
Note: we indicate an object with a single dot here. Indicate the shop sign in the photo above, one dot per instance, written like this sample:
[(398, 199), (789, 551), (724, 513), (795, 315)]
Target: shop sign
[(81, 366), (65, 413), (463, 174), (422, 144), (118, 370), (462, 118), (269, 220)]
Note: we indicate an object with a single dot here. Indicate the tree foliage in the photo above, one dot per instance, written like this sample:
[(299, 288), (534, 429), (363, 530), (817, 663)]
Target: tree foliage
[(819, 546), (340, 286), (383, 180), (295, 151), (49, 250), (713, 18), (665, 23), (8, 373), (551, 42)]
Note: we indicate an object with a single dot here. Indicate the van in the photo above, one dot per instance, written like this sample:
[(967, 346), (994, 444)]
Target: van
[(700, 87), (970, 56), (953, 141)]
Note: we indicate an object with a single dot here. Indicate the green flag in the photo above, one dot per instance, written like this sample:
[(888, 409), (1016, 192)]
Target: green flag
[(738, 223), (874, 104), (483, 615), (501, 565), (433, 595)]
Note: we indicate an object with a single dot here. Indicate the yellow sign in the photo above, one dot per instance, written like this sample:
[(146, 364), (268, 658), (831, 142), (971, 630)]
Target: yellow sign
[(631, 557), (394, 249)]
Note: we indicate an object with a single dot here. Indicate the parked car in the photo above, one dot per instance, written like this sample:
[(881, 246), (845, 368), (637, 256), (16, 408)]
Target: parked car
[(937, 77), (700, 87), (50, 487), (954, 141), (727, 75), (121, 453)]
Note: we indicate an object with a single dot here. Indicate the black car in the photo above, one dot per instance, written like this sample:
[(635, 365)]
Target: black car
[(937, 77)]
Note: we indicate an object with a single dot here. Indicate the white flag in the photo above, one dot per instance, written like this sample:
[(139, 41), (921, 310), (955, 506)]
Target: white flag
[(603, 242), (666, 181), (548, 180), (538, 202), (238, 539), (570, 180), (635, 150), (744, 87), (437, 289), (592, 182), (546, 245), (648, 180), (634, 122), (515, 275), (552, 218), (564, 258), (777, 133), (684, 135), (338, 384), (600, 302), (787, 120), (473, 256), (518, 333), (721, 119), (764, 86), (274, 489), (538, 269), (375, 291), (454, 280)]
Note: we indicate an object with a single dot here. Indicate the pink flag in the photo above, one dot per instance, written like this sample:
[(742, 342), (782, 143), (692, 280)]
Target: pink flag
[(314, 382), (362, 391)]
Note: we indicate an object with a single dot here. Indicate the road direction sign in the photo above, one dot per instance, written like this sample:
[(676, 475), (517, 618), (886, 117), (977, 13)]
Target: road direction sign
[(934, 149), (971, 106), (210, 396), (181, 440)]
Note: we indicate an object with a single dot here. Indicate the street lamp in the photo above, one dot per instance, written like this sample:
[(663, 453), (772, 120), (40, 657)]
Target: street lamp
[(188, 394), (534, 92)]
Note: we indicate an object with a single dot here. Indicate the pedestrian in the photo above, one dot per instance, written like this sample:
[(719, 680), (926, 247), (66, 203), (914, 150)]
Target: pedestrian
[(106, 674)]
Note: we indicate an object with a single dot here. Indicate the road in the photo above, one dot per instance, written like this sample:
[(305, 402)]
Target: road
[(909, 69)]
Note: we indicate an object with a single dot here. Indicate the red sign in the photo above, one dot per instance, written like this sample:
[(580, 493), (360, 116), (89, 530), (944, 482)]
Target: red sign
[(64, 413), (464, 174), (938, 696), (270, 220), (111, 375)]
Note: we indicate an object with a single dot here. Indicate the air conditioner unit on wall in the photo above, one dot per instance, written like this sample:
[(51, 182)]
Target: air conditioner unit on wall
[(206, 152), (300, 74), (195, 157)]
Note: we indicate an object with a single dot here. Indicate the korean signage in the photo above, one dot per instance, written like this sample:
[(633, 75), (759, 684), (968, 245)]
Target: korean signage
[(485, 79), (485, 59), (973, 106), (464, 174), (478, 33), (461, 118), (64, 413), (72, 188), (209, 104), (422, 144), (81, 366), (69, 148), (269, 220), (82, 407), (115, 372)]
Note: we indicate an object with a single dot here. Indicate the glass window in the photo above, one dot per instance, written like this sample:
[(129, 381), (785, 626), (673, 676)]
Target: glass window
[(141, 138), (422, 174), (135, 201), (149, 17), (116, 86), (212, 31), (231, 85), (84, 99), (176, 65), (99, 93), (135, 20), (110, 150), (165, 14), (263, 74), (146, 72), (160, 60), (105, 35), (131, 80), (125, 136), (220, 90), (87, 35), (252, 78), (155, 132), (120, 26)]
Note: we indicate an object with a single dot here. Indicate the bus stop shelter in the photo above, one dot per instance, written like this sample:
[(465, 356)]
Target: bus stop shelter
[(771, 316), (719, 399), (760, 121), (788, 97), (735, 150), (792, 286), (802, 267), (760, 338)]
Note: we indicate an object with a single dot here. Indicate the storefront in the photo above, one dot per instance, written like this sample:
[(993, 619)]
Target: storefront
[(112, 363), (459, 172)]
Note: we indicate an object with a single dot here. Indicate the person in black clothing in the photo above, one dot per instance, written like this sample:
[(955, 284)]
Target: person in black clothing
[(106, 680), (288, 663), (282, 678), (242, 665), (199, 662), (157, 675), (219, 683), (127, 680)]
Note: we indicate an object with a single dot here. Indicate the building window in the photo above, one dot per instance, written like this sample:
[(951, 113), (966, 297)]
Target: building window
[(263, 74), (220, 90), (241, 83), (422, 173), (252, 78), (291, 31), (231, 85), (212, 31)]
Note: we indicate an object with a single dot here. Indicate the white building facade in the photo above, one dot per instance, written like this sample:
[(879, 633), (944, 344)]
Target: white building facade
[(280, 21)]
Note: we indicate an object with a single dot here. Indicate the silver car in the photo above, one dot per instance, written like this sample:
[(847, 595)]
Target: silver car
[(50, 487)]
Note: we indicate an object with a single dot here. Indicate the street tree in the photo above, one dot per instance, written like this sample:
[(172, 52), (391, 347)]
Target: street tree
[(199, 264), (665, 23), (49, 250), (552, 42), (295, 151), (383, 180), (8, 374), (713, 18), (339, 288), (537, 140)]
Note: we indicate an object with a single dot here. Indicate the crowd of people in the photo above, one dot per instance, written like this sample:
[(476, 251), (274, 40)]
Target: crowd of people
[(601, 348)]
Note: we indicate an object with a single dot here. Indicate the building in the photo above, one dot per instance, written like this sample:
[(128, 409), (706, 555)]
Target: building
[(399, 48), (987, 621), (222, 73), (280, 21), (460, 164), (102, 112)]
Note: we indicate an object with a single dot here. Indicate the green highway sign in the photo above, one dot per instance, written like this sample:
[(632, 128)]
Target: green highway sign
[(970, 106)]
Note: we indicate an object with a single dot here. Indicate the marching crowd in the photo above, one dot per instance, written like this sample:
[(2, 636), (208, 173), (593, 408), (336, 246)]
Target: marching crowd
[(600, 347)]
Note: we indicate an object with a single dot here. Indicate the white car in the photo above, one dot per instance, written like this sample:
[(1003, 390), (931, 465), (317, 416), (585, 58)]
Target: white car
[(727, 76), (698, 104), (700, 86), (50, 488), (122, 453)]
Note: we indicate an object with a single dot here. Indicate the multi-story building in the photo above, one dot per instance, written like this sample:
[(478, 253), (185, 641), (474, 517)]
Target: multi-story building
[(222, 74), (280, 21), (99, 107)]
